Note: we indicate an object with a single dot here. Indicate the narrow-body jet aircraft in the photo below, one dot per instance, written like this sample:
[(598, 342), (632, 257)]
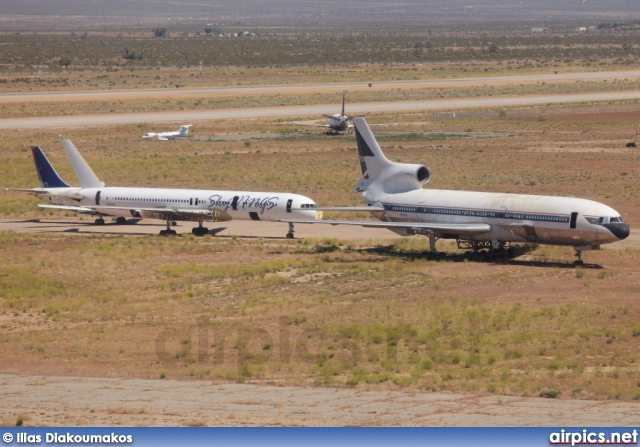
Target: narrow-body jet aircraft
[(478, 221), (94, 198)]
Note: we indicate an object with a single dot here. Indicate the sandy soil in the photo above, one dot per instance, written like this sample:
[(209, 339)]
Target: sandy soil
[(184, 93), (75, 401)]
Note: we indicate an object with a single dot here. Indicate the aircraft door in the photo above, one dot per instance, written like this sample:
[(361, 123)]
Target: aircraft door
[(98, 197), (289, 202), (573, 220), (234, 203)]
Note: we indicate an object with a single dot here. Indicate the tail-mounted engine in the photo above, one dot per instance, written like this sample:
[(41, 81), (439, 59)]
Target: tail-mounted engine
[(402, 177)]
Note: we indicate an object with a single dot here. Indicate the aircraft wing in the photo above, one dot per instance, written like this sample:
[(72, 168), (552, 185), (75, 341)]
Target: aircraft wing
[(75, 209), (343, 208), (184, 214), (302, 123), (470, 229)]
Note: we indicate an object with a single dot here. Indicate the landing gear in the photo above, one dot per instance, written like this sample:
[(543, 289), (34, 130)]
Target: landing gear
[(578, 260), (199, 230), (432, 242), (291, 231), (485, 250), (168, 231), (99, 221), (121, 220)]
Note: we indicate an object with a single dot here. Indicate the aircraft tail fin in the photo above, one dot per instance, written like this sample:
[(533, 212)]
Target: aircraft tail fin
[(85, 174), (47, 175), (390, 177), (185, 129), (372, 160)]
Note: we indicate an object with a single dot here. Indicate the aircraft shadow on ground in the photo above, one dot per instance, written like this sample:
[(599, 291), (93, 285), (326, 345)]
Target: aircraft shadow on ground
[(391, 251)]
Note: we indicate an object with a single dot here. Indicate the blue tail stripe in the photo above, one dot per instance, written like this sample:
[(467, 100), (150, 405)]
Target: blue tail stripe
[(49, 178)]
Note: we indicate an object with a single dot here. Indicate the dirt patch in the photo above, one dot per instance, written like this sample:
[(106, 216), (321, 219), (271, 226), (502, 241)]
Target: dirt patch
[(79, 401)]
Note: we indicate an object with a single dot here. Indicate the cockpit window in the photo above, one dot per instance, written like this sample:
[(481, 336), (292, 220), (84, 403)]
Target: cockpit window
[(604, 220), (308, 205)]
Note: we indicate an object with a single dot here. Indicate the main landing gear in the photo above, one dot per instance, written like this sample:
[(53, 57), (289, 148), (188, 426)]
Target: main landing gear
[(168, 231), (486, 250), (199, 230), (120, 221), (291, 231)]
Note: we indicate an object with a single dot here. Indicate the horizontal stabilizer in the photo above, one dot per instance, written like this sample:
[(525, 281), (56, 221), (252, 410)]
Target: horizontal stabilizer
[(304, 123), (48, 192), (29, 190)]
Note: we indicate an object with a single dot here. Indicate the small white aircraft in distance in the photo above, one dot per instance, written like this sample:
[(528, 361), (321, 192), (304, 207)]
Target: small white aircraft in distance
[(164, 136), (94, 198), (485, 223)]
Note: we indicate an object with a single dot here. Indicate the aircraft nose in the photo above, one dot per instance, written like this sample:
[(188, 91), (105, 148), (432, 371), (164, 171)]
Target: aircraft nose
[(619, 230)]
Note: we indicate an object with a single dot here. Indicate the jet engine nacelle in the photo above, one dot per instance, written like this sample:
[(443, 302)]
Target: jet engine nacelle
[(402, 177)]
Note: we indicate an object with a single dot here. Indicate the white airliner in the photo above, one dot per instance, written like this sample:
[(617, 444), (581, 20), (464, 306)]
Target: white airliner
[(477, 220), (164, 136), (169, 205)]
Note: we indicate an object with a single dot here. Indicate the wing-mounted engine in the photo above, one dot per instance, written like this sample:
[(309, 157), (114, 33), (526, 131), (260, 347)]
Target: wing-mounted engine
[(403, 177)]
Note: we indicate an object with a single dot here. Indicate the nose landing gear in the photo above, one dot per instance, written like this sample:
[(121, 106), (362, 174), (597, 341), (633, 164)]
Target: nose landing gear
[(291, 231)]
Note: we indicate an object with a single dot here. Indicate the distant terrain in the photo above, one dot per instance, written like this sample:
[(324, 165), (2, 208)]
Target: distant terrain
[(18, 13)]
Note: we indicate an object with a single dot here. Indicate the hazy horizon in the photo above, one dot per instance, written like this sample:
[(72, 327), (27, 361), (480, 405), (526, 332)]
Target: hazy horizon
[(79, 13)]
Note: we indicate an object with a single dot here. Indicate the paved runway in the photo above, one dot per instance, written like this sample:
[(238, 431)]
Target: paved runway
[(276, 230), (317, 109)]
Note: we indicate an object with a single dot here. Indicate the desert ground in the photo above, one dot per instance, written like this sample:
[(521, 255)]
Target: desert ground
[(80, 401)]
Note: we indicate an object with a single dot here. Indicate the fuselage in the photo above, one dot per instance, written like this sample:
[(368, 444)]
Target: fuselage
[(512, 217), (338, 122), (224, 205)]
